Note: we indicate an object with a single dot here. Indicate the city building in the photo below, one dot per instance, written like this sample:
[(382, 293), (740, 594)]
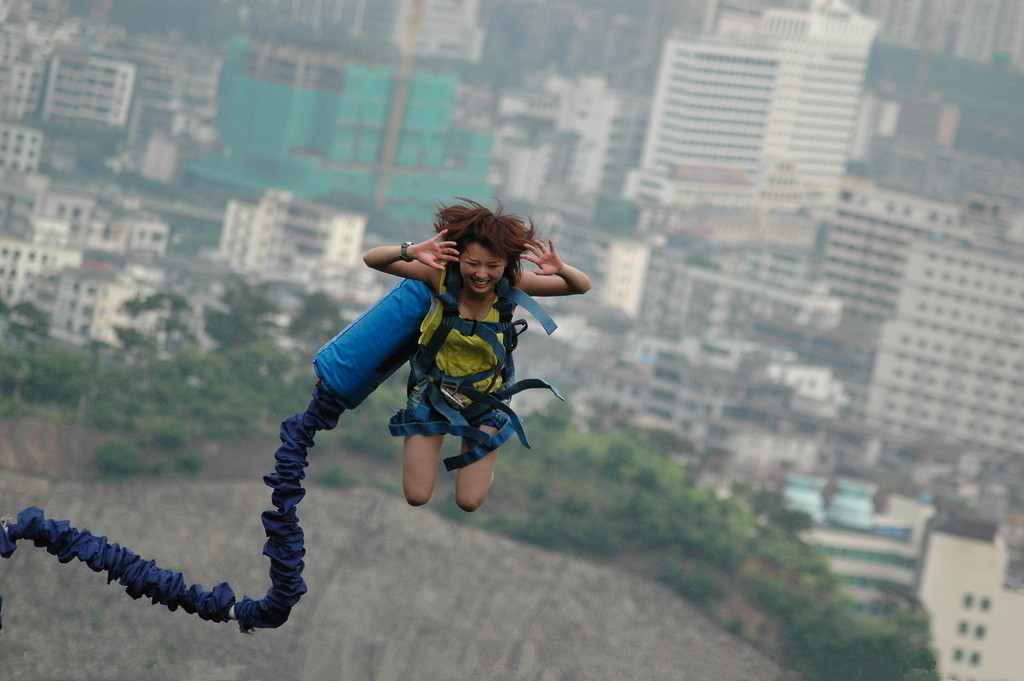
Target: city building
[(318, 124), (902, 22), (173, 118), (876, 552), (125, 232), (625, 275), (727, 396), (682, 299), (989, 31), (763, 111), (88, 88), (523, 166), (937, 131), (88, 303), (975, 605), (950, 360), (366, 19), (25, 263), (21, 147), (25, 49), (447, 29), (866, 236), (283, 235), (567, 140)]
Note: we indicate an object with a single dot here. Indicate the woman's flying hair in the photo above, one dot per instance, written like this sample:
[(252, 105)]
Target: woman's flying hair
[(503, 233)]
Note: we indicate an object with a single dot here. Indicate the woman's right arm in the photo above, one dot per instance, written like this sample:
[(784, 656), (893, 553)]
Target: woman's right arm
[(423, 260)]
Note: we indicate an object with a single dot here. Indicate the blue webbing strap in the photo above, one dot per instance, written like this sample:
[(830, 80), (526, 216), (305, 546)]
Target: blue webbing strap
[(526, 302)]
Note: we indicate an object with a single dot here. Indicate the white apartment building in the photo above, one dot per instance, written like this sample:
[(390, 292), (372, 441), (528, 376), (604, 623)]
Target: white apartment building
[(23, 264), (975, 615), (589, 110), (867, 235), (590, 135), (89, 304), (526, 166), (88, 88), (447, 29), (25, 197), (75, 206), (282, 235), (763, 112), (625, 275), (951, 360), (759, 453), (23, 57), (682, 300), (20, 147), (134, 232), (816, 390)]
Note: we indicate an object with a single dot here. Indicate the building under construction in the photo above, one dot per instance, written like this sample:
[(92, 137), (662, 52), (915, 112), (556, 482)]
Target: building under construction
[(323, 127)]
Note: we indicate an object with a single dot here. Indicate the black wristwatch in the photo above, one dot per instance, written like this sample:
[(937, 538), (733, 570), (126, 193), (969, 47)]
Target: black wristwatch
[(405, 252)]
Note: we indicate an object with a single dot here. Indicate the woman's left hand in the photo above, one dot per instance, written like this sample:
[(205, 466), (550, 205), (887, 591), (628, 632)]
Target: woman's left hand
[(545, 257)]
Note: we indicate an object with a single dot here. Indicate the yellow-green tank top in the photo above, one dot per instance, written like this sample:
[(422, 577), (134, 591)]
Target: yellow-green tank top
[(462, 355)]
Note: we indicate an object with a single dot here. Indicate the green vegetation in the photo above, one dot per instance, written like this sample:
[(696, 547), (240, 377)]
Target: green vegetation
[(334, 476), (122, 459), (616, 494)]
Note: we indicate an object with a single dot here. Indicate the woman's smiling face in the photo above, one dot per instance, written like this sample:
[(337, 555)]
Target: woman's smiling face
[(481, 269)]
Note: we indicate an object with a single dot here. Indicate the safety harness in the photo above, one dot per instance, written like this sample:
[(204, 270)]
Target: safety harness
[(444, 392)]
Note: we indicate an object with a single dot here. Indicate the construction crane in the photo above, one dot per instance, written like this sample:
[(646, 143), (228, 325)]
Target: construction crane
[(399, 97)]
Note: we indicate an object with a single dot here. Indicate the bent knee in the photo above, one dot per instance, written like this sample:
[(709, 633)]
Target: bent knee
[(417, 498), (470, 504)]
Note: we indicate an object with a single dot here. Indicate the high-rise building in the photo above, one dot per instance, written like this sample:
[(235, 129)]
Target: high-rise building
[(762, 112), (866, 236), (318, 124), (950, 362), (88, 88)]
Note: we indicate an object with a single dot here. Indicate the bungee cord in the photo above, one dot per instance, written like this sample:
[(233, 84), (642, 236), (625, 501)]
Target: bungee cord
[(349, 367), (143, 578)]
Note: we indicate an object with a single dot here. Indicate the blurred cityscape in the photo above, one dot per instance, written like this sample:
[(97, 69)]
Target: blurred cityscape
[(802, 218)]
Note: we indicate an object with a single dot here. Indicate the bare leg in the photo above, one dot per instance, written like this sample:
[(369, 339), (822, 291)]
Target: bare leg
[(420, 457), (473, 482)]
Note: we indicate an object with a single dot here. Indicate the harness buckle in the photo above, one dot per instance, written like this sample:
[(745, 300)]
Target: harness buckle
[(449, 391), (514, 329)]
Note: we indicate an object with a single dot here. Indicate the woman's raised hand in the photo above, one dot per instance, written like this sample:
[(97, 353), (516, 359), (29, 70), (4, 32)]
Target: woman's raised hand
[(545, 257), (435, 252)]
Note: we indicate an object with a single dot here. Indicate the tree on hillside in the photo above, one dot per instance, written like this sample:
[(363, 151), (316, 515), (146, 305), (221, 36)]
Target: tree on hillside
[(30, 317), (245, 316), (317, 321), (170, 327)]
